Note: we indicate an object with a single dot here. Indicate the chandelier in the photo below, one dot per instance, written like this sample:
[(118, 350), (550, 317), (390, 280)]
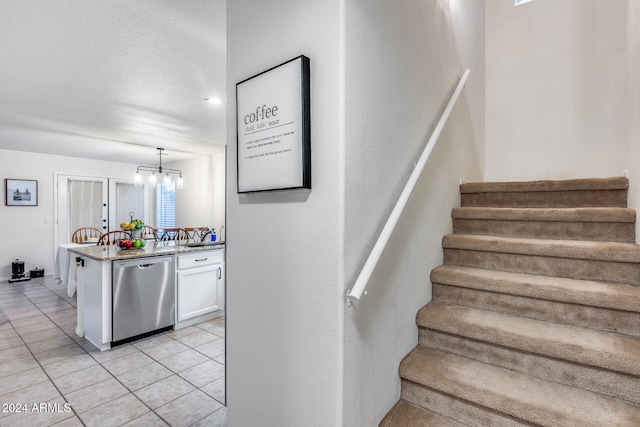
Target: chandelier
[(156, 172)]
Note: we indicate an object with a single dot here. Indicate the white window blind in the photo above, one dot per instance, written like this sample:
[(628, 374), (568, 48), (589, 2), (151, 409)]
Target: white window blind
[(165, 207)]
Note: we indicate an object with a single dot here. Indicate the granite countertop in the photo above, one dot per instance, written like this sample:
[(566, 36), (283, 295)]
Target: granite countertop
[(114, 253)]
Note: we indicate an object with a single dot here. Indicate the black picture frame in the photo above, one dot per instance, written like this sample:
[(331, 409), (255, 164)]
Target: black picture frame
[(20, 192), (273, 128)]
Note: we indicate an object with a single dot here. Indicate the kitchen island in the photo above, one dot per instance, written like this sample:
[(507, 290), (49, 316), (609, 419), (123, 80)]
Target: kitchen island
[(124, 294)]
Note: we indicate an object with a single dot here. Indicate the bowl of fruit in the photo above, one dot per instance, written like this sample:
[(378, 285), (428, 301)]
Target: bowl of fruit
[(132, 243), (134, 226)]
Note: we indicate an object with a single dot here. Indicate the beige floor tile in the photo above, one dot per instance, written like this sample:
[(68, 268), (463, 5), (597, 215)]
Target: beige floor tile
[(183, 332), (35, 327), (215, 326), (11, 343), (148, 420), (69, 328), (151, 342), (14, 353), (127, 363), (19, 315), (69, 422), (60, 353), (114, 353), (203, 373), (8, 299), (144, 376), (18, 309), (49, 344), (217, 419), (24, 379), (40, 414), (188, 409), (95, 395), (59, 307), (45, 299), (69, 365), (166, 349), (185, 360), (74, 366), (212, 349), (42, 335), (7, 332), (198, 338), (35, 319), (51, 296), (115, 413), (15, 366), (81, 379), (36, 393), (63, 315), (216, 389), (164, 391)]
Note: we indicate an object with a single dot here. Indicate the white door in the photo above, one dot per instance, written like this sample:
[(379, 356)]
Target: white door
[(82, 202), (127, 201), (98, 202)]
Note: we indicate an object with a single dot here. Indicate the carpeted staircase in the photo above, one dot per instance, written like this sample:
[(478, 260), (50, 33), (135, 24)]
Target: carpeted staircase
[(535, 317)]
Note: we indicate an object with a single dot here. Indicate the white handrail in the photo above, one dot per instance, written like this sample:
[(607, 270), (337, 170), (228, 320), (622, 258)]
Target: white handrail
[(355, 293)]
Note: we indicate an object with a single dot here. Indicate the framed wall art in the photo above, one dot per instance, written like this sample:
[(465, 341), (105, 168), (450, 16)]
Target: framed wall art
[(274, 129), (21, 192)]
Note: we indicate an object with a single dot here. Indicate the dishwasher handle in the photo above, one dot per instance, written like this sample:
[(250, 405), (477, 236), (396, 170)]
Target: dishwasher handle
[(142, 263), (145, 266)]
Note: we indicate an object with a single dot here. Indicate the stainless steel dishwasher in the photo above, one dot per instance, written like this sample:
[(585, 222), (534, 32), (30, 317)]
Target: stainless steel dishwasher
[(144, 298)]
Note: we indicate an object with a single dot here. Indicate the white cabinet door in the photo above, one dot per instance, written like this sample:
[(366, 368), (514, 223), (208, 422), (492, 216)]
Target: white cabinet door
[(200, 291)]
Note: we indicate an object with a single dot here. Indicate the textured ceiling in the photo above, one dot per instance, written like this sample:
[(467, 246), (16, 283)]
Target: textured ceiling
[(109, 79)]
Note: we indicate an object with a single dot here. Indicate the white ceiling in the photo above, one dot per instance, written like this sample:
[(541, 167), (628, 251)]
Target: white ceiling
[(113, 79)]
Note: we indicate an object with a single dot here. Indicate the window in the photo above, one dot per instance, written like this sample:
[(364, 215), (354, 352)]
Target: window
[(165, 206)]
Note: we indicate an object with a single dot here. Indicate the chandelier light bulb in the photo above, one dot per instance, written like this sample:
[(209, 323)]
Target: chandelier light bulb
[(154, 171)]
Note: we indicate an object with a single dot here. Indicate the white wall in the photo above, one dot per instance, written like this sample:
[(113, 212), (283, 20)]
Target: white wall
[(381, 72), (556, 89), (403, 59), (283, 250), (28, 232), (200, 203)]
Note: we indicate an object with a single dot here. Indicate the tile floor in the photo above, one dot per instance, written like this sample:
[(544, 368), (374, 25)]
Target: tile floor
[(49, 376)]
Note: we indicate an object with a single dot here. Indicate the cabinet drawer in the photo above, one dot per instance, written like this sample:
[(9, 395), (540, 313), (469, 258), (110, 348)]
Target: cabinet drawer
[(199, 259)]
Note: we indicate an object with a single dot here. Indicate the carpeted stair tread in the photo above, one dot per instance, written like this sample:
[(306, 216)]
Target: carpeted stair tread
[(599, 192), (405, 414), (527, 398), (577, 249), (607, 350), (586, 184), (616, 215), (585, 292)]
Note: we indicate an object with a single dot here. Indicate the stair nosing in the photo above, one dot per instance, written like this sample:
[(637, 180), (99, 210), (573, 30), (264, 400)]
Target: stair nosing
[(620, 354), (558, 289), (529, 398), (613, 215), (583, 184), (561, 248)]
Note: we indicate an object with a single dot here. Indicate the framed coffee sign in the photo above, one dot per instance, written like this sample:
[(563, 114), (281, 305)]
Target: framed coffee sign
[(274, 129)]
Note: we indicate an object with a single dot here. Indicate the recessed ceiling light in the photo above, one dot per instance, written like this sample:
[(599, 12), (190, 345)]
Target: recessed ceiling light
[(214, 101), (519, 2)]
